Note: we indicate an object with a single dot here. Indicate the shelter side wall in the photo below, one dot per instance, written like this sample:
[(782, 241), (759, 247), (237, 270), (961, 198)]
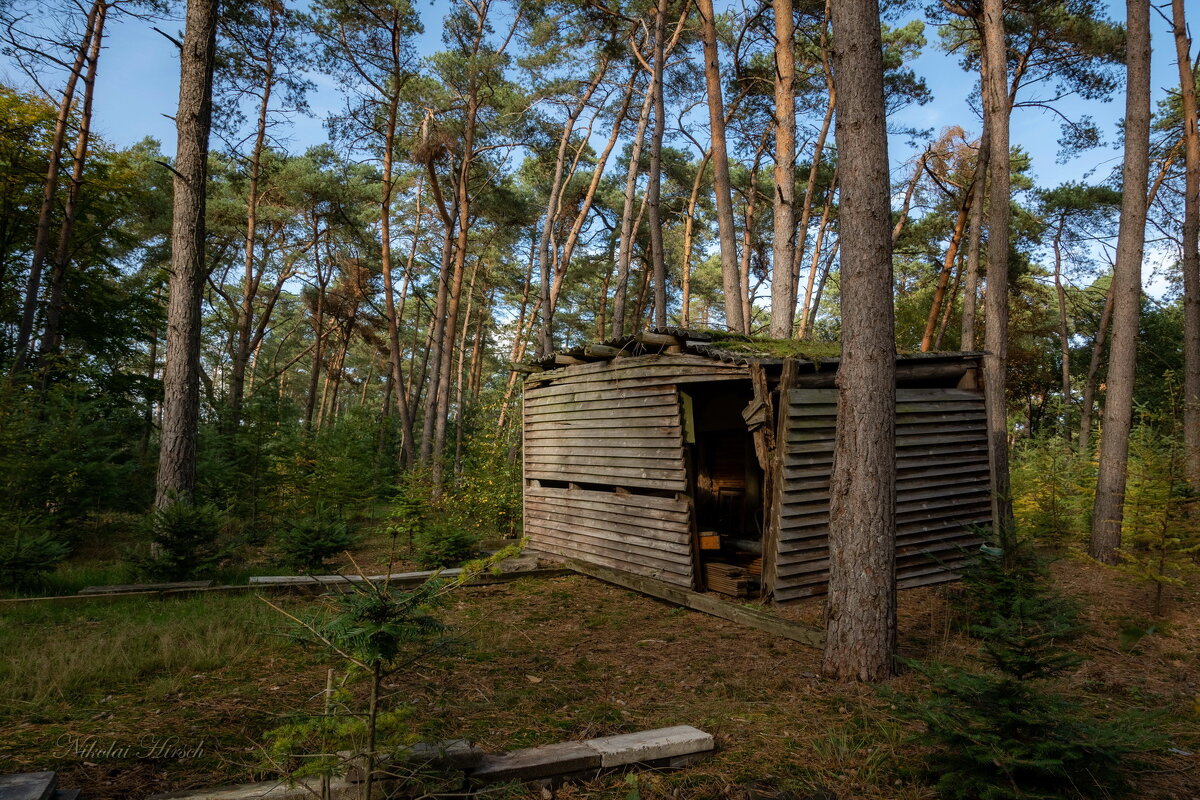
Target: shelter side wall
[(942, 487), (605, 471)]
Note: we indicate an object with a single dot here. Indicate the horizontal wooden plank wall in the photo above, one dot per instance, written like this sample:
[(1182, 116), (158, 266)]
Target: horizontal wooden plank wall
[(644, 535), (942, 491), (608, 426)]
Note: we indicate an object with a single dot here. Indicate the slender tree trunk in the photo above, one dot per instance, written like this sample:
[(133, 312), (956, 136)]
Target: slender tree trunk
[(995, 364), (689, 239), (52, 339), (1089, 386), (734, 319), (41, 242), (902, 215), (1064, 335), (395, 353), (546, 340), (974, 246), (860, 632), (939, 293), (250, 281), (783, 291), (437, 326), (654, 186), (628, 229), (811, 299), (1191, 249), (1127, 290), (181, 374), (454, 296)]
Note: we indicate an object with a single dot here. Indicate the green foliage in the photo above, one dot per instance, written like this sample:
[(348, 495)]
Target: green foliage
[(184, 541), (999, 732), (1053, 487), (445, 543), (307, 543), (28, 551), (1160, 532)]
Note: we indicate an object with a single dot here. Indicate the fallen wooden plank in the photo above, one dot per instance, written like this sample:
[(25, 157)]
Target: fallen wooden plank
[(485, 579), (144, 587), (752, 617)]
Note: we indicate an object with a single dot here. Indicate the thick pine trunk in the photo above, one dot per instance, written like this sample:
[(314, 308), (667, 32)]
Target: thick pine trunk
[(181, 374), (734, 319), (995, 363), (860, 637), (1107, 513), (1191, 248), (783, 291)]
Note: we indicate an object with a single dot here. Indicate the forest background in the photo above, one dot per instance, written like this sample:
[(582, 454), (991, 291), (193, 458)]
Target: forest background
[(512, 158)]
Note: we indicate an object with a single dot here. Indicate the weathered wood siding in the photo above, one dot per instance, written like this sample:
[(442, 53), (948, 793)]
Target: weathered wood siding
[(608, 426), (645, 535), (941, 486)]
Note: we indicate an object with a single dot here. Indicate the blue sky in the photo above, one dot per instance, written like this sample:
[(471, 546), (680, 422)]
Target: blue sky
[(137, 89)]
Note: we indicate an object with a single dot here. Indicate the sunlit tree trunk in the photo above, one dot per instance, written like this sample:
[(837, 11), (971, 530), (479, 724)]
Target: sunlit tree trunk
[(783, 290), (1107, 513), (860, 631), (734, 319), (181, 374), (1191, 247)]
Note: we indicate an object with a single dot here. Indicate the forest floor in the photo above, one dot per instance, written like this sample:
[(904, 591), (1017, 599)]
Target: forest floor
[(89, 688)]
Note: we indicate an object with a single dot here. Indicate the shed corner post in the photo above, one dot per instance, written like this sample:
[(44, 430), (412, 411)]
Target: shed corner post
[(775, 477)]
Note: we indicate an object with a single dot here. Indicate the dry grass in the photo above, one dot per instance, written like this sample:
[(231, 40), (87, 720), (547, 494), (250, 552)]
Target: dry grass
[(567, 658)]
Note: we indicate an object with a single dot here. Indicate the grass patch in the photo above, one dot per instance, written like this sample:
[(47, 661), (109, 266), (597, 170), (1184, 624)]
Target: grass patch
[(54, 653)]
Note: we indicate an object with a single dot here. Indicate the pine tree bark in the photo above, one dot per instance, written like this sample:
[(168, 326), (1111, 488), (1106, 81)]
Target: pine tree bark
[(1064, 334), (1191, 248), (860, 635), (726, 231), (995, 364), (1107, 513), (783, 291), (181, 374)]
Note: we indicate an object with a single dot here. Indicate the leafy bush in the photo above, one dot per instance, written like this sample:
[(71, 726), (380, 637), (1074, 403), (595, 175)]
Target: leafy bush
[(307, 543), (999, 732), (184, 542), (27, 552), (445, 544)]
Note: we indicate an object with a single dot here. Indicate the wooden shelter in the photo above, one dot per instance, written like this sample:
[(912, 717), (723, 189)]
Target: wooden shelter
[(703, 460)]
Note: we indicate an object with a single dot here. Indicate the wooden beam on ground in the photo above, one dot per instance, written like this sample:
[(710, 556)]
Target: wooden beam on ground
[(296, 583), (752, 617)]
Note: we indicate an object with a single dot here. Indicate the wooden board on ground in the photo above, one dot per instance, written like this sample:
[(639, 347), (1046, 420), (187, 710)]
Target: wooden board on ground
[(754, 618)]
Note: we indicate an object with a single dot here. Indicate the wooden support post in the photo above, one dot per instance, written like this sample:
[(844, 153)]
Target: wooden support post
[(774, 506)]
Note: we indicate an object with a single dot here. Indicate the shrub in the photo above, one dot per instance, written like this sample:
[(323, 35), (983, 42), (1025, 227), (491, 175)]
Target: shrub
[(1000, 732), (444, 544), (307, 543), (28, 551), (184, 542)]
